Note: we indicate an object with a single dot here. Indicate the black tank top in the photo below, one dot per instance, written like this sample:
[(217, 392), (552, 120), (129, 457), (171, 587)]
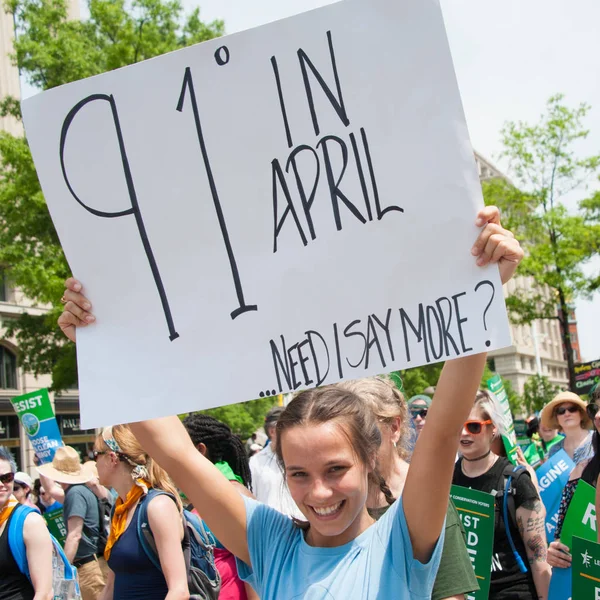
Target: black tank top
[(13, 584)]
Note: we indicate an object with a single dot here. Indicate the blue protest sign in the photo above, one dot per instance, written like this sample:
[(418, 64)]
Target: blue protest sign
[(553, 476), (560, 584), (37, 418)]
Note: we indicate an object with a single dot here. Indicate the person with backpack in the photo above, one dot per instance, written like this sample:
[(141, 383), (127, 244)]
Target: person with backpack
[(81, 516), (147, 501), (33, 533), (327, 444), (519, 565), (215, 441)]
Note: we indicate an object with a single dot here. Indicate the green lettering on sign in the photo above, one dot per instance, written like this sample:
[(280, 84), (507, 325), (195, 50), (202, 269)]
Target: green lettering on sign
[(476, 510), (586, 569)]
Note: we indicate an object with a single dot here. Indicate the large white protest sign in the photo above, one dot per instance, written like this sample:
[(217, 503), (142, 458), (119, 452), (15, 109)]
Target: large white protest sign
[(277, 209)]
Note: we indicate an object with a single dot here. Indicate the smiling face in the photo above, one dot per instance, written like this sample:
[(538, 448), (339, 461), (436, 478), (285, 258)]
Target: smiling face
[(475, 445), (6, 489), (327, 481), (570, 419)]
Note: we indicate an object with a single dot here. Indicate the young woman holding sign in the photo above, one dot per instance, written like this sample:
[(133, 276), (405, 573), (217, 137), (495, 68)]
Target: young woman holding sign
[(519, 552), (339, 551)]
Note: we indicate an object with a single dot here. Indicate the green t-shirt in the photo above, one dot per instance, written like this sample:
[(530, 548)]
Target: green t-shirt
[(455, 575), (228, 472)]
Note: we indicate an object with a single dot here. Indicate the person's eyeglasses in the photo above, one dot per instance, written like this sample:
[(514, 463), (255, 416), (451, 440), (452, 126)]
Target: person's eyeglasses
[(98, 453), (561, 410), (7, 478), (422, 412), (17, 487), (476, 427), (591, 409)]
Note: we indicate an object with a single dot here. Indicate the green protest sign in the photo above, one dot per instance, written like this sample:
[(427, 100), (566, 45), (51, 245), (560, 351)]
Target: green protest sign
[(476, 510), (509, 438), (586, 569), (37, 418), (580, 519), (56, 524)]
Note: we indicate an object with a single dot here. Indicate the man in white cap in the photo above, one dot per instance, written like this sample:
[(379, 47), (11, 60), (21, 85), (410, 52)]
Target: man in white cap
[(82, 518)]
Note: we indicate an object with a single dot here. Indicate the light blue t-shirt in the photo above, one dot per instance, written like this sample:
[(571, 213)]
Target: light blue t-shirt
[(377, 565)]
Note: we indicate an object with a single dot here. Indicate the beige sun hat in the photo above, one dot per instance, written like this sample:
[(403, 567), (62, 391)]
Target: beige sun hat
[(549, 420), (66, 467)]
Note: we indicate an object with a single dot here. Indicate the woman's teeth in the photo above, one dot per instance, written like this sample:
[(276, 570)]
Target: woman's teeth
[(324, 511)]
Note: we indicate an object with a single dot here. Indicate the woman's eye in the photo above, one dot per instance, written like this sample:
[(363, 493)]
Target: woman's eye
[(337, 469), (298, 474)]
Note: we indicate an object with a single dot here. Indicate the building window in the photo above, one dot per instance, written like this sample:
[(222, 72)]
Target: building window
[(8, 369)]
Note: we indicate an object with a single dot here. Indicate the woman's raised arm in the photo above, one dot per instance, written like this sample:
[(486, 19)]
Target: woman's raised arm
[(167, 442), (429, 478)]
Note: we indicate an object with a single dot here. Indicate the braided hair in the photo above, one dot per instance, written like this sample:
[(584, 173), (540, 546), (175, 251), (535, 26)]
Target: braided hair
[(221, 444)]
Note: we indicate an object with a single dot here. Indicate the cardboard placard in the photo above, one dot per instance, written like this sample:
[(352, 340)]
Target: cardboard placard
[(293, 205), (37, 418), (476, 510)]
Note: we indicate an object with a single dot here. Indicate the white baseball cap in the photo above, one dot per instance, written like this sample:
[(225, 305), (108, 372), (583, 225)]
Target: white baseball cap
[(24, 479)]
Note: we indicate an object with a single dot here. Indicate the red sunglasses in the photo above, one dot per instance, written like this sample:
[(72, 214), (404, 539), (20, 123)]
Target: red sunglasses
[(476, 427)]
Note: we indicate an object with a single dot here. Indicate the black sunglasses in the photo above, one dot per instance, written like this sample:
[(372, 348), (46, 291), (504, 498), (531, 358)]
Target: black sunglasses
[(591, 409), (17, 487), (98, 453), (7, 478), (561, 410), (419, 412)]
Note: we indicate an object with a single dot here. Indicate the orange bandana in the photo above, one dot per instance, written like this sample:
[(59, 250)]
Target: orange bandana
[(7, 510), (119, 519)]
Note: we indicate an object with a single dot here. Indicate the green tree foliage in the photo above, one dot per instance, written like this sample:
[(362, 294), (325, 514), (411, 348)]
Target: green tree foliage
[(558, 243), (243, 418), (417, 380), (539, 390), (51, 51)]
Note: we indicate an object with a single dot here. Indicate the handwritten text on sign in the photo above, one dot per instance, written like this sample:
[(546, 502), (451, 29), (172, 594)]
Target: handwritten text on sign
[(276, 209)]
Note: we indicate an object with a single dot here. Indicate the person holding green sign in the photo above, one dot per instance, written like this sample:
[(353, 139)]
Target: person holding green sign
[(519, 567)]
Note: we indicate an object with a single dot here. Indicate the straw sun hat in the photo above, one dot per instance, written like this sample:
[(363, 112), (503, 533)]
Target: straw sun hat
[(549, 420), (66, 467)]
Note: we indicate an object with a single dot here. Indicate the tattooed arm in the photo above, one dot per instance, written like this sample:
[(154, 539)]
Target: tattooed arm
[(531, 516)]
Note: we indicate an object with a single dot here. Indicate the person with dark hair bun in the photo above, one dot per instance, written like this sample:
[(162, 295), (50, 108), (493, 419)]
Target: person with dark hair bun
[(215, 441), (226, 451)]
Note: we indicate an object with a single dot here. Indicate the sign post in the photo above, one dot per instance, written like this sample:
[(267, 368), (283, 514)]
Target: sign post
[(496, 386), (37, 418), (476, 510)]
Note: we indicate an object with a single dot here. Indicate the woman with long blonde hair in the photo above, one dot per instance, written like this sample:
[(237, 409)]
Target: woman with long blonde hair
[(123, 465)]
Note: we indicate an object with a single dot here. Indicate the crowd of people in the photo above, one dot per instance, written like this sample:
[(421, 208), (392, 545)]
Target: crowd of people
[(349, 498)]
